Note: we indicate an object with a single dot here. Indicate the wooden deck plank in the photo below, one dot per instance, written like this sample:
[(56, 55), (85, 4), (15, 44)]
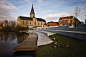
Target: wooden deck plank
[(29, 44)]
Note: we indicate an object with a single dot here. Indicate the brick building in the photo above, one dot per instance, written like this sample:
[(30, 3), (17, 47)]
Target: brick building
[(52, 24), (31, 21), (69, 21)]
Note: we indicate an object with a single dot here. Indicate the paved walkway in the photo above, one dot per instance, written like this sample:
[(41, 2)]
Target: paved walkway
[(29, 44), (32, 41), (43, 39), (75, 34), (69, 31), (47, 33)]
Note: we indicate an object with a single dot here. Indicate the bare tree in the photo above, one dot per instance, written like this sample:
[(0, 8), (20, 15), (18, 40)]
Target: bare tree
[(6, 22), (13, 23), (77, 10)]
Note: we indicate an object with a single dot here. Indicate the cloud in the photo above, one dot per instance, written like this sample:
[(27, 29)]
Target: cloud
[(84, 11), (55, 17), (40, 1), (6, 9), (26, 0), (25, 15), (82, 16)]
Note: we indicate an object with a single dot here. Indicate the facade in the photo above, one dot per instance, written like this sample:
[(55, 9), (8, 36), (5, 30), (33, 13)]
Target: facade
[(31, 21), (52, 24), (69, 21)]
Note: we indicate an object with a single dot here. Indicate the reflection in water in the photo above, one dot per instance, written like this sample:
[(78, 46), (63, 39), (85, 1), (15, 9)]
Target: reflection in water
[(7, 37), (21, 37), (8, 41)]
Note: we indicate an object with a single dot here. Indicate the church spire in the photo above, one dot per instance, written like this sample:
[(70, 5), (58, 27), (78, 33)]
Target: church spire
[(32, 14), (32, 10)]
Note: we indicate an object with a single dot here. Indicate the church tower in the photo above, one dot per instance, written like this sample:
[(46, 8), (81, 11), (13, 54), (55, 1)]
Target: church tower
[(32, 14)]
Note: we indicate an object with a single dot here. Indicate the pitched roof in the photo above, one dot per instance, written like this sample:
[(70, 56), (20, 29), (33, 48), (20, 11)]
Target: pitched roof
[(32, 10), (28, 18), (25, 18), (68, 17), (40, 19), (53, 22)]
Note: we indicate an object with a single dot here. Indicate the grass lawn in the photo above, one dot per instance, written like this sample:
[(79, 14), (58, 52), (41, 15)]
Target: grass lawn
[(77, 48), (27, 30)]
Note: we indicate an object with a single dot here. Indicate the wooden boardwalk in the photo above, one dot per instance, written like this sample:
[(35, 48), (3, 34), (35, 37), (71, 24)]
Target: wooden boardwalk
[(29, 44)]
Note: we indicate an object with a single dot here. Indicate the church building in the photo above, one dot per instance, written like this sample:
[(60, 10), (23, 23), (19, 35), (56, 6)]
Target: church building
[(31, 21)]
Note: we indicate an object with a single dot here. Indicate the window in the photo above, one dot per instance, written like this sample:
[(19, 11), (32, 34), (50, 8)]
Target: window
[(30, 22), (27, 22), (23, 22), (38, 23), (64, 21), (41, 23), (61, 21), (69, 21), (35, 23)]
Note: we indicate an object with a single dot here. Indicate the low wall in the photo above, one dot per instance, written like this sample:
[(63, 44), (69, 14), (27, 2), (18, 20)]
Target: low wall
[(82, 25), (74, 34), (78, 32), (69, 29)]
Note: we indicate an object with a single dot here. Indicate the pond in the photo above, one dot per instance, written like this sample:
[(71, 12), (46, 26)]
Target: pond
[(7, 43)]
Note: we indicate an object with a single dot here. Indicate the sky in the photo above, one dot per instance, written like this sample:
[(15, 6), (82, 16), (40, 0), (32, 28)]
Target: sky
[(50, 10)]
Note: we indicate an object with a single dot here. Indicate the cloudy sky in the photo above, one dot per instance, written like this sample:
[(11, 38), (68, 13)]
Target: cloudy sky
[(50, 10)]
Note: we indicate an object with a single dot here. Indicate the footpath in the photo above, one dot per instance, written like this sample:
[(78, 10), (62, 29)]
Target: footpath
[(29, 44), (34, 40), (75, 34), (43, 39)]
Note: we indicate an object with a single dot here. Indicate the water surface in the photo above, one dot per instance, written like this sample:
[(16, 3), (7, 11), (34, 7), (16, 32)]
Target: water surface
[(7, 43)]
